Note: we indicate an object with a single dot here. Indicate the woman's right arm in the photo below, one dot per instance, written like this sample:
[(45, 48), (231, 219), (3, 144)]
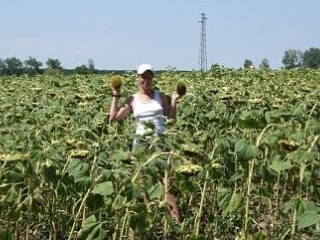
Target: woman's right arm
[(117, 113)]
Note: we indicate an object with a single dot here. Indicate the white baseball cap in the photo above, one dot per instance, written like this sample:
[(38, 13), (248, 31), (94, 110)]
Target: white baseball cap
[(145, 67)]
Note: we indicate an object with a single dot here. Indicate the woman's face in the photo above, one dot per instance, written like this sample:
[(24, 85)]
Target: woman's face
[(145, 80)]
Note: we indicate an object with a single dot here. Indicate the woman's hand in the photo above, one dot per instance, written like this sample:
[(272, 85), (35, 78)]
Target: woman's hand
[(174, 98), (116, 91)]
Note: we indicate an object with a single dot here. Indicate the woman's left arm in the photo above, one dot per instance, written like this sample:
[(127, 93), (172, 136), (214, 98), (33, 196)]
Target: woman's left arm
[(170, 107), (173, 105)]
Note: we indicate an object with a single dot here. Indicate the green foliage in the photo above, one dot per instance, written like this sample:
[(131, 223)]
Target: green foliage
[(65, 172), (83, 69), (32, 66), (3, 69), (292, 58), (12, 66), (52, 72), (228, 202), (6, 234), (311, 58), (92, 229), (53, 64), (248, 64), (265, 64), (104, 189)]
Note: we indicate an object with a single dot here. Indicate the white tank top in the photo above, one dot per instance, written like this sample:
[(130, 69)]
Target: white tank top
[(151, 111)]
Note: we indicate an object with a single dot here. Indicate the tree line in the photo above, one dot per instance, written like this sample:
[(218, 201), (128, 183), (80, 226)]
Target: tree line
[(292, 59), (13, 66), (31, 66)]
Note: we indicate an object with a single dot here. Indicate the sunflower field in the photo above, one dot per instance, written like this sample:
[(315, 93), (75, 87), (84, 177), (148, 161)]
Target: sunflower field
[(243, 158)]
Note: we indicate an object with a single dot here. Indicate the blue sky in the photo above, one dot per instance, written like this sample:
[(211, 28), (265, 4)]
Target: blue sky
[(165, 33)]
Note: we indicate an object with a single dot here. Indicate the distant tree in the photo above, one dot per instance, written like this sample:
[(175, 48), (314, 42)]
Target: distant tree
[(311, 58), (248, 64), (32, 66), (13, 66), (264, 64), (3, 68), (292, 58), (91, 66), (83, 69), (53, 64)]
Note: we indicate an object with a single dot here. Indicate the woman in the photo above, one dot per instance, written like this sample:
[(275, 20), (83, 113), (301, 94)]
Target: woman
[(147, 105)]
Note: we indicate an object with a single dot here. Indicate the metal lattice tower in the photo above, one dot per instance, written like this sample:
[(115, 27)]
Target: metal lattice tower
[(203, 45)]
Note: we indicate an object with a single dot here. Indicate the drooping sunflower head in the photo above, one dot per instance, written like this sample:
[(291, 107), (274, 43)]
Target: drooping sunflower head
[(188, 169), (181, 89), (116, 82)]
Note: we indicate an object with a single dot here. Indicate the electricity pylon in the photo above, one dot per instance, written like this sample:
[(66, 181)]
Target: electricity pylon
[(203, 45)]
